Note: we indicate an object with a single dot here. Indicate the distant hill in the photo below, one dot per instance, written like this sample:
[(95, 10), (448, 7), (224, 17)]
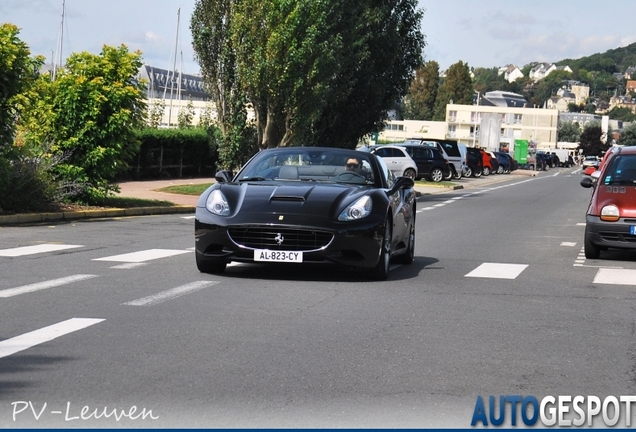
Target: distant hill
[(611, 61)]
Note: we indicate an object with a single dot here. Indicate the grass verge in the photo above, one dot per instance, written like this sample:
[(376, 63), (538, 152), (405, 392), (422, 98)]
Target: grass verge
[(189, 189)]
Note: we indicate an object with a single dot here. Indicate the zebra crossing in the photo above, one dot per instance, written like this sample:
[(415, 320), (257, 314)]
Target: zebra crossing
[(132, 260)]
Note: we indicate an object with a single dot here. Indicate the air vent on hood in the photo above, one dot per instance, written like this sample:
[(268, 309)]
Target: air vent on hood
[(288, 198)]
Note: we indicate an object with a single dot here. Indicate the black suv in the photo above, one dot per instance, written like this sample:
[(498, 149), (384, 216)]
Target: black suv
[(430, 162), (474, 162)]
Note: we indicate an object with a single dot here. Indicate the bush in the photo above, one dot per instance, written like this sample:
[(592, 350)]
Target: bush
[(27, 183)]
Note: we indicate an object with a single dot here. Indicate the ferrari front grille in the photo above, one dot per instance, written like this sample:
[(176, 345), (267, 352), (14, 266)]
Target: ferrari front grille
[(274, 238)]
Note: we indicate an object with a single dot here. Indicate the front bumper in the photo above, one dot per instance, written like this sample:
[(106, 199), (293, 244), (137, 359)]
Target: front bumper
[(610, 234), (346, 244)]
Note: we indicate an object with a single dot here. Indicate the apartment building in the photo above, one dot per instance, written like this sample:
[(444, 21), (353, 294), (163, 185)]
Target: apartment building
[(491, 127)]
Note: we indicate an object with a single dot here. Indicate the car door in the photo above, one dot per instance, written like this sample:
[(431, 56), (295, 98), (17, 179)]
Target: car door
[(395, 159)]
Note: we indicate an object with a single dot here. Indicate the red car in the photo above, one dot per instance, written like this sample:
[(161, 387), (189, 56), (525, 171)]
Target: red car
[(610, 221)]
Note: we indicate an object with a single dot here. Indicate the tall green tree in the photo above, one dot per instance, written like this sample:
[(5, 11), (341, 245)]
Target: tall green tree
[(568, 131), (628, 135), (18, 72), (419, 103), (314, 72), (457, 87), (591, 140), (97, 104)]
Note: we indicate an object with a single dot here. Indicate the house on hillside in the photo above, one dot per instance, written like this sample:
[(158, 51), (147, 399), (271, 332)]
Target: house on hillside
[(510, 72), (542, 70), (629, 71)]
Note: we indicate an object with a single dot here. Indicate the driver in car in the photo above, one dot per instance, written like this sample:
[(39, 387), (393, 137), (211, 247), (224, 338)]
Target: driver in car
[(353, 164)]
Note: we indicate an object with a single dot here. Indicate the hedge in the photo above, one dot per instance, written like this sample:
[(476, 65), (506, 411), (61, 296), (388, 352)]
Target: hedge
[(174, 153)]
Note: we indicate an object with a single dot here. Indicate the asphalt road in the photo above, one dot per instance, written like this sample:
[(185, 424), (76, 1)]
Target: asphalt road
[(112, 314)]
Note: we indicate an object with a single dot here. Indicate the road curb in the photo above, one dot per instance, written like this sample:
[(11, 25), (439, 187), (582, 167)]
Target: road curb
[(30, 218)]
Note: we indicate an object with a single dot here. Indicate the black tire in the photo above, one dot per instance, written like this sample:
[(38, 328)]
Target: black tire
[(410, 173), (408, 256), (217, 266), (456, 175), (468, 172), (591, 250), (486, 171), (500, 170), (476, 173), (381, 270), (436, 175)]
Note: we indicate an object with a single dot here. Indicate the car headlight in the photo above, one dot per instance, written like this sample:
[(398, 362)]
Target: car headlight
[(357, 210), (217, 204), (610, 213)]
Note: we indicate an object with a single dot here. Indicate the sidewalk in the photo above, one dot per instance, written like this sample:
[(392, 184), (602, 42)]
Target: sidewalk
[(149, 190)]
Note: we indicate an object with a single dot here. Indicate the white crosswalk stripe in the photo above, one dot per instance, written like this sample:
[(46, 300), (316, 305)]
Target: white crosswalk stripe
[(36, 337), (615, 276), (171, 293), (10, 292), (30, 250), (145, 255), (497, 271)]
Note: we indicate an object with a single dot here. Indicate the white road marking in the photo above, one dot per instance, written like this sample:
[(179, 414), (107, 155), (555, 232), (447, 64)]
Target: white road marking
[(580, 224), (10, 292), (615, 276), (449, 201), (188, 217), (568, 244), (128, 266), (145, 255), (45, 334), (497, 271), (30, 250), (171, 293)]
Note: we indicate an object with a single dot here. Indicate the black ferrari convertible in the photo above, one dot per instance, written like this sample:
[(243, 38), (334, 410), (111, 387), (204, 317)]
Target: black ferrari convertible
[(307, 205)]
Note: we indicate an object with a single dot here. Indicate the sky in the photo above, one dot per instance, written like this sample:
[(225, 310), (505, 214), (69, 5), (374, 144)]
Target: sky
[(481, 33)]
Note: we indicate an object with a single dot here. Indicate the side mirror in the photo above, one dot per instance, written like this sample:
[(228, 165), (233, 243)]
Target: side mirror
[(224, 176), (588, 182), (401, 183)]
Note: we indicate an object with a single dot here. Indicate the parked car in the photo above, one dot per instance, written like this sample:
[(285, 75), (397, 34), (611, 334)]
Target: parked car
[(449, 148), (397, 159), (430, 162), (590, 161), (486, 163), (295, 205), (542, 162), (496, 168), (610, 220), (474, 162), (505, 162)]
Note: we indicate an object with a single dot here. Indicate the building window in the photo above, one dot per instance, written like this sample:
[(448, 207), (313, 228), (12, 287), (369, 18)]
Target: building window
[(452, 116), (452, 130), (517, 119), (475, 117)]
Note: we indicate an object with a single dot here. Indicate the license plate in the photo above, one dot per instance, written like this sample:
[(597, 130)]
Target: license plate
[(632, 229), (277, 256)]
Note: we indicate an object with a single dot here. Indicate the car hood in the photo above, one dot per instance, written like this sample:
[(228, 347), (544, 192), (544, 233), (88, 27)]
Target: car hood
[(314, 199)]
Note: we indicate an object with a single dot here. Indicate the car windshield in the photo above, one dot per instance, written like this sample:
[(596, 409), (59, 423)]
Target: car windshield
[(622, 170), (310, 165)]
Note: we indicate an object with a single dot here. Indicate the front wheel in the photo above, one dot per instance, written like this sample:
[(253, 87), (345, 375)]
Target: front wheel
[(476, 173), (468, 172), (486, 171), (591, 250), (381, 270)]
